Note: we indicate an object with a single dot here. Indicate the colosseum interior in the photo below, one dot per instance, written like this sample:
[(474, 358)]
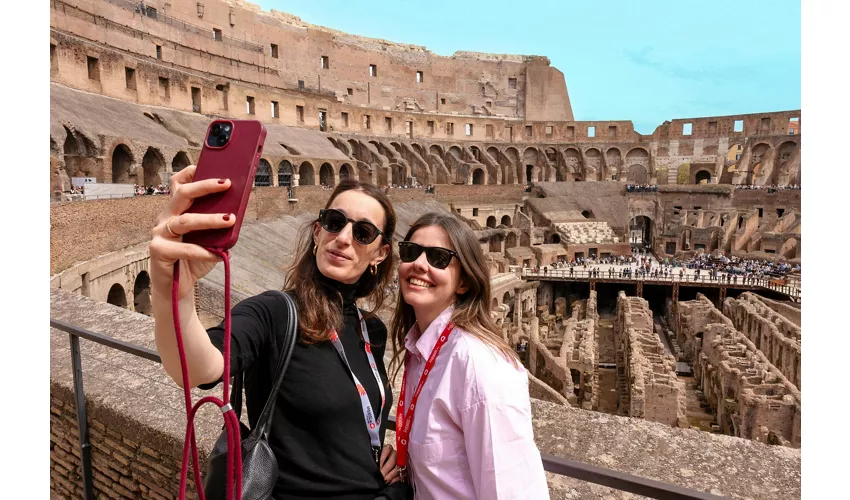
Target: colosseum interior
[(637, 360)]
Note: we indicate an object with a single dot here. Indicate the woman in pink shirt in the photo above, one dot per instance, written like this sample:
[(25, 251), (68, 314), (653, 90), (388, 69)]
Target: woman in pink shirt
[(464, 417)]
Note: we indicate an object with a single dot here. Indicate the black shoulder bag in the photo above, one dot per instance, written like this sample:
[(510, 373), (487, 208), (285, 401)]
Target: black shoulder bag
[(259, 465)]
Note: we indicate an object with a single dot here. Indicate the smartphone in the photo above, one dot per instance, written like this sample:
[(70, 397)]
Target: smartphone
[(232, 150)]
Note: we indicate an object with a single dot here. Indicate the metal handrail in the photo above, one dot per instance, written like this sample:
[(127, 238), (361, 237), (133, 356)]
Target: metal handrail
[(562, 466)]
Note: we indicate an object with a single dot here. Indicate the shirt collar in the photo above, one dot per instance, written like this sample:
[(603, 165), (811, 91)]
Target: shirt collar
[(422, 344)]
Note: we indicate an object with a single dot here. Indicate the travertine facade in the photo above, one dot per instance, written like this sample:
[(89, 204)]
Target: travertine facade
[(388, 112), (647, 386)]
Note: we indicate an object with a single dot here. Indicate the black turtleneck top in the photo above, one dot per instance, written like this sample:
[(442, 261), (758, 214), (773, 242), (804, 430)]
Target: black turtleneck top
[(318, 431)]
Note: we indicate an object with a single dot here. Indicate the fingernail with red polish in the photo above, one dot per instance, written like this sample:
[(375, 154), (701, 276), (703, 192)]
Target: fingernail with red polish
[(226, 217), (222, 181)]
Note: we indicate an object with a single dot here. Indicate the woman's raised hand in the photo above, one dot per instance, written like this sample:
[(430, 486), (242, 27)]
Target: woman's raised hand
[(167, 245)]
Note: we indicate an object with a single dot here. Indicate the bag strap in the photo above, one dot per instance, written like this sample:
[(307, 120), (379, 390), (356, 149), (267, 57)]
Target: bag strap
[(287, 346)]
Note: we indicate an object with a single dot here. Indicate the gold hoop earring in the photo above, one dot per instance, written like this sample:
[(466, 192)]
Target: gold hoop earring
[(373, 269), (314, 249)]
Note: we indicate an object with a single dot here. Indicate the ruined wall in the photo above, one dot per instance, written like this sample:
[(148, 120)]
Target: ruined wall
[(564, 352), (751, 397), (694, 317), (774, 335), (647, 385)]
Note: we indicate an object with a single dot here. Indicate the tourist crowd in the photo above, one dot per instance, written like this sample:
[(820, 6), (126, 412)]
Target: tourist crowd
[(151, 190), (771, 188), (704, 267), (641, 188)]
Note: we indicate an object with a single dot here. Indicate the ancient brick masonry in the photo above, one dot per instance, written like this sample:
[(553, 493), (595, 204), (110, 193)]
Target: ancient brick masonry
[(752, 398), (647, 386), (572, 372), (122, 467), (774, 335)]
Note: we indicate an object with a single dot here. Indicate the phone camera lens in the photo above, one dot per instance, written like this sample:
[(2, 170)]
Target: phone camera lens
[(222, 140), (227, 128), (216, 129)]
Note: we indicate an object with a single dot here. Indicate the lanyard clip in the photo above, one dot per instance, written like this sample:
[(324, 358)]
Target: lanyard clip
[(376, 454), (403, 473)]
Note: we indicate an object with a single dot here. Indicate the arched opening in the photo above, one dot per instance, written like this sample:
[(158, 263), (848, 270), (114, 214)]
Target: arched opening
[(529, 170), (345, 172), (397, 174), (640, 231), (180, 161), (587, 214), (491, 221), (435, 149), (152, 164), (525, 240), (306, 175), (702, 177), (116, 296), (637, 174), (478, 177), (506, 220), (456, 152), (142, 294), (72, 152), (122, 161), (555, 238), (510, 240), (284, 173), (326, 175), (263, 176), (686, 239)]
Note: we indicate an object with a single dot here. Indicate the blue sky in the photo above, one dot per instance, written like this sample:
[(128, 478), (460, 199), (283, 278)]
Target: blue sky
[(644, 61)]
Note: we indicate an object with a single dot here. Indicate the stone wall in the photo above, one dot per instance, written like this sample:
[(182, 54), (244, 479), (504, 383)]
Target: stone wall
[(647, 385), (694, 316), (778, 338), (564, 352), (751, 397)]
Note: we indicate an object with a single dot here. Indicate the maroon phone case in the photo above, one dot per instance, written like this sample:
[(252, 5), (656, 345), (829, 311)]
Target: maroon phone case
[(237, 160)]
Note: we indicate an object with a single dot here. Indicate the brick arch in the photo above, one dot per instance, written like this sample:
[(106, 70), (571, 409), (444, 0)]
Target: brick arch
[(637, 152), (180, 161), (263, 175), (306, 174), (122, 164), (117, 296), (327, 174)]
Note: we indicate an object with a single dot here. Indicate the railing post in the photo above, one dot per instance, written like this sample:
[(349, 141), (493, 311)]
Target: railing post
[(82, 419)]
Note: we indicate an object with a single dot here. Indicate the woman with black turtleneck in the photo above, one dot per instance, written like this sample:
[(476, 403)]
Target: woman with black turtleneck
[(320, 434)]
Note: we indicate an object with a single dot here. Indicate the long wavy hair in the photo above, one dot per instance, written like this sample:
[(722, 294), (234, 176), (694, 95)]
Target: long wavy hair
[(317, 311), (472, 308)]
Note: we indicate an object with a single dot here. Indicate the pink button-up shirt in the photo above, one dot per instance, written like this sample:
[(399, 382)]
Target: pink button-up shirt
[(471, 435)]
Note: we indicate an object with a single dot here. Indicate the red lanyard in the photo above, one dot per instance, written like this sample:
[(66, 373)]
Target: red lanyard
[(404, 421)]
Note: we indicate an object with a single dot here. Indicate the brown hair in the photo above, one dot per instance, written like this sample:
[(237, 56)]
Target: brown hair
[(472, 308), (318, 312)]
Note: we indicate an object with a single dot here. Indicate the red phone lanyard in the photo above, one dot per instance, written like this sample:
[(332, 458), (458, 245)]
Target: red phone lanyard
[(404, 421)]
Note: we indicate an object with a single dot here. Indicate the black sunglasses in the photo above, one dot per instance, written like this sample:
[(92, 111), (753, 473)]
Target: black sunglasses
[(438, 257), (334, 221)]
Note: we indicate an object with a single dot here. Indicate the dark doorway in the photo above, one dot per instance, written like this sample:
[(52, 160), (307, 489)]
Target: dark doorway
[(116, 296), (142, 294)]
